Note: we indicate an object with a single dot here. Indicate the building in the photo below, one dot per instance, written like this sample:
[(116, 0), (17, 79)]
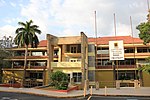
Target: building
[(68, 54), (107, 72), (82, 58)]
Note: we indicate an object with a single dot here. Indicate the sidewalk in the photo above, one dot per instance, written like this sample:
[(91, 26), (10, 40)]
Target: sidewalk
[(124, 91)]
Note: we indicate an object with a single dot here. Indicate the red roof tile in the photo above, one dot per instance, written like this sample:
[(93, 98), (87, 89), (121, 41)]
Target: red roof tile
[(43, 43), (105, 40), (126, 39)]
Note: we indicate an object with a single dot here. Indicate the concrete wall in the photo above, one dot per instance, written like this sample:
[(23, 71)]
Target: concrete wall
[(105, 78)]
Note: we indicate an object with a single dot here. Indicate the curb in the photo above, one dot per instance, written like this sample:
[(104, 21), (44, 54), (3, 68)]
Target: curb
[(43, 94), (74, 96)]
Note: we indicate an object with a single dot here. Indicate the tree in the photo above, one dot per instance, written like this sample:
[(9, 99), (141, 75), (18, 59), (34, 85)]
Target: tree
[(59, 80), (26, 35), (144, 34), (146, 68), (3, 63)]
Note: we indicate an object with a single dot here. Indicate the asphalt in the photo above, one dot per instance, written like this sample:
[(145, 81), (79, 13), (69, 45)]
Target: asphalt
[(123, 91)]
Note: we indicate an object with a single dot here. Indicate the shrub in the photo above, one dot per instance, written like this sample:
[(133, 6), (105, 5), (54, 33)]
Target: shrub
[(59, 80)]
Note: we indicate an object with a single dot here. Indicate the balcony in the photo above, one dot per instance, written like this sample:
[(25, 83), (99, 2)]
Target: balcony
[(28, 57), (73, 54), (21, 67), (119, 66), (66, 64)]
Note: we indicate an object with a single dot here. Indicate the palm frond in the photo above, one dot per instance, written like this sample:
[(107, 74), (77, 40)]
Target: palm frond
[(22, 24)]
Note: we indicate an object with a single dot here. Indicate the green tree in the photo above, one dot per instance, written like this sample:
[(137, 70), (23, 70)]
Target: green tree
[(26, 35), (144, 34), (146, 68), (59, 80), (4, 54)]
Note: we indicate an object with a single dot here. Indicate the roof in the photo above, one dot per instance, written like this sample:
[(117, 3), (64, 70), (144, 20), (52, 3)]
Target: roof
[(105, 40), (43, 43)]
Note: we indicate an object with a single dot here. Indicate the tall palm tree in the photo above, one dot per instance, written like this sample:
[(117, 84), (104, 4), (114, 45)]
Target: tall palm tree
[(26, 35)]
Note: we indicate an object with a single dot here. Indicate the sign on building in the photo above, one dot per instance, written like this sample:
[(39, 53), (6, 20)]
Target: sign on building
[(116, 50)]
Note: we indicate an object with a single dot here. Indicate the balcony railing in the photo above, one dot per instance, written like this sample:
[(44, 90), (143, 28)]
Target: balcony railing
[(119, 66), (28, 67), (29, 57), (66, 64)]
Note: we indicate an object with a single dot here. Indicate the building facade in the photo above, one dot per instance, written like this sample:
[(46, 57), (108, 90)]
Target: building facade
[(66, 54), (108, 72), (82, 58)]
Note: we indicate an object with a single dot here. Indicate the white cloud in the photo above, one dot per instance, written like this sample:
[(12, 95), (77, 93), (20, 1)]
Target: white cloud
[(12, 4), (12, 20), (122, 30), (70, 17), (7, 30), (2, 2)]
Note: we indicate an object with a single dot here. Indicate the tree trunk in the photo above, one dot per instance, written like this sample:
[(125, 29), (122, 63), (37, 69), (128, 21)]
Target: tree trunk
[(25, 66)]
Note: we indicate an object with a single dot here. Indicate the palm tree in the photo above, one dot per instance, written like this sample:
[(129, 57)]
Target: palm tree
[(26, 35)]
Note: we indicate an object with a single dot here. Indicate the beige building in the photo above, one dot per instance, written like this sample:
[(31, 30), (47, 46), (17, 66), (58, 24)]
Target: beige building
[(66, 54), (82, 58), (108, 72)]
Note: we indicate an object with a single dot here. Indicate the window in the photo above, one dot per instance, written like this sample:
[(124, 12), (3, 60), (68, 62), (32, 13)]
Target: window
[(19, 63), (91, 75), (91, 60), (129, 50), (19, 53), (68, 77), (38, 63), (38, 53), (91, 48), (36, 75), (126, 75), (142, 50), (103, 51), (55, 52), (73, 49), (77, 77), (104, 62), (75, 59), (126, 62)]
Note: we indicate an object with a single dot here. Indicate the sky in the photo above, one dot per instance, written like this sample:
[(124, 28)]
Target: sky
[(70, 17)]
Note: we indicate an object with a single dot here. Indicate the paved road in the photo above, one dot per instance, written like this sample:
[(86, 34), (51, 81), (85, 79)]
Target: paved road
[(18, 96), (118, 98)]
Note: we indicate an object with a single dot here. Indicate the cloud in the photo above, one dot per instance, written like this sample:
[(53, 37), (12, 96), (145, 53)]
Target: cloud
[(7, 30), (2, 2), (12, 20), (12, 4), (70, 17)]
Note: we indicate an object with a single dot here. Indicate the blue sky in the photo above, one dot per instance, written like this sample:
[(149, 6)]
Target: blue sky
[(70, 17)]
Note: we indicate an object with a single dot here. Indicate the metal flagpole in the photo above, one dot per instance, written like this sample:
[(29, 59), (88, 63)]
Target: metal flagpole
[(133, 44), (115, 37)]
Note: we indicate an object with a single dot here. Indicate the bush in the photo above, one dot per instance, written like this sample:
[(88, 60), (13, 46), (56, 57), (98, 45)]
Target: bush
[(59, 80)]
